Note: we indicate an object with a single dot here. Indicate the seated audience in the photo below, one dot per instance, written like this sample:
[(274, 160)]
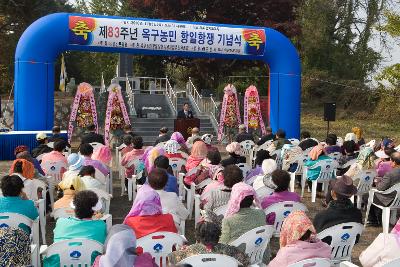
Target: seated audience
[(25, 171), (56, 155), (171, 185), (350, 137), (298, 241), (215, 173), (349, 154), (197, 155), (75, 164), (22, 152), (390, 179), (86, 204), (240, 217), (365, 161), (42, 148), (103, 154), (383, 249), (235, 155), (146, 215), (207, 139), (172, 150), (163, 136), (268, 136), (86, 151), (87, 174), (178, 137), (57, 136), (91, 136), (281, 180), (120, 250), (268, 166), (383, 165), (150, 156), (331, 146), (15, 200), (136, 153), (127, 130), (290, 155), (207, 236), (170, 202), (340, 209), (261, 155), (70, 186), (280, 139), (243, 135), (316, 154), (358, 132), (306, 141), (194, 136), (127, 141)]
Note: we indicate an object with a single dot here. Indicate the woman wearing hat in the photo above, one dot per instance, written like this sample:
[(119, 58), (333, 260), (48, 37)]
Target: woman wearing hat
[(340, 209), (75, 163)]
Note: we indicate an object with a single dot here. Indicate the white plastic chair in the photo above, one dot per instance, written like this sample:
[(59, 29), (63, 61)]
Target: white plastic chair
[(14, 220), (385, 210), (393, 263), (263, 192), (120, 168), (343, 239), (40, 203), (314, 262), (294, 141), (191, 196), (247, 148), (349, 264), (67, 152), (104, 179), (53, 169), (73, 252), (39, 158), (327, 173), (339, 141), (366, 178), (105, 199), (176, 165), (62, 213), (245, 168), (282, 210), (132, 180), (256, 241), (348, 164), (160, 244), (300, 160), (210, 260), (278, 158), (161, 144), (335, 155), (96, 145), (50, 144)]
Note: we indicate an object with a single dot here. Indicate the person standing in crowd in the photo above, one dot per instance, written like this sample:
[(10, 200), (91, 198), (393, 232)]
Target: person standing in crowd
[(163, 136), (243, 135), (306, 140), (235, 155), (91, 136), (195, 135), (86, 151), (268, 136), (185, 113), (280, 139), (42, 148)]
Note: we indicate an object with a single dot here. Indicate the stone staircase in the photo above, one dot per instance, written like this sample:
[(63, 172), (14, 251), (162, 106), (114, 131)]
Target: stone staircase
[(149, 128)]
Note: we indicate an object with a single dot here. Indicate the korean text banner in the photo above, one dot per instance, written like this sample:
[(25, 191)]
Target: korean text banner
[(165, 36)]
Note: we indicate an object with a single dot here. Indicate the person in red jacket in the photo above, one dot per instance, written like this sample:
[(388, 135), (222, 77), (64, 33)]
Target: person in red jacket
[(146, 216)]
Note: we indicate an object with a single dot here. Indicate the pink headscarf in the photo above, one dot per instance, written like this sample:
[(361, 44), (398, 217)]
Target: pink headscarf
[(316, 152), (239, 192), (151, 156), (103, 154), (199, 150), (178, 137), (235, 148), (147, 203), (396, 232)]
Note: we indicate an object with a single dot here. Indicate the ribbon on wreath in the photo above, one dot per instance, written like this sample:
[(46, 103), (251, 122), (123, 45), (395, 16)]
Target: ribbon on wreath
[(84, 93), (116, 113), (252, 113), (230, 113)]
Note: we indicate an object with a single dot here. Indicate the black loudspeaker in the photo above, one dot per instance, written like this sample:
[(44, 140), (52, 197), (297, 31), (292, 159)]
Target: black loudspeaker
[(125, 65), (329, 111)]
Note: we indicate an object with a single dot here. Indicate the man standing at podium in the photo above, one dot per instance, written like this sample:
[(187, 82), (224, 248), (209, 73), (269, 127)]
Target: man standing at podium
[(185, 113)]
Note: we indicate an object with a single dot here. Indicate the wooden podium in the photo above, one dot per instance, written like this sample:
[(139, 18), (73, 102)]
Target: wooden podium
[(185, 126)]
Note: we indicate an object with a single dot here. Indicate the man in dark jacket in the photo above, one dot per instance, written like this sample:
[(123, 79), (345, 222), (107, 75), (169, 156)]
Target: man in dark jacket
[(42, 148), (306, 141), (280, 140), (91, 136), (163, 136), (243, 135), (57, 136), (185, 113), (390, 179), (268, 136), (340, 209)]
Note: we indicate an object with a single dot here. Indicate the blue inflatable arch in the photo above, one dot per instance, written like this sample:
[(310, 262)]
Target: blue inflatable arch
[(45, 39)]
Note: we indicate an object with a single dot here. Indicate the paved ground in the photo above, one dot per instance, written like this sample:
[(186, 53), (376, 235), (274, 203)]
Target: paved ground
[(120, 206)]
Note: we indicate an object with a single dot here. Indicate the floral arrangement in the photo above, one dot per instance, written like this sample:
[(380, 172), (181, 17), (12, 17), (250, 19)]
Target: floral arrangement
[(252, 113), (230, 114)]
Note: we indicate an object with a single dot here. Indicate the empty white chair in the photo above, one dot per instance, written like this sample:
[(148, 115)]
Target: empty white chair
[(160, 244), (366, 178), (191, 195), (176, 165), (14, 220), (96, 145), (245, 168), (132, 180), (105, 199), (40, 203), (104, 179), (385, 210), (343, 237), (73, 252), (210, 260), (300, 160), (247, 148), (294, 141), (282, 210), (315, 262), (256, 241), (326, 174), (120, 168)]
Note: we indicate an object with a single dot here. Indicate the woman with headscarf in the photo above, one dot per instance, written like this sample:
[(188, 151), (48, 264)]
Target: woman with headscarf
[(359, 135), (383, 249), (136, 153), (22, 152), (240, 217), (316, 154), (215, 172), (146, 215), (171, 148), (120, 250), (178, 137), (25, 170), (70, 185), (198, 154), (150, 155), (298, 241), (103, 154), (235, 155)]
